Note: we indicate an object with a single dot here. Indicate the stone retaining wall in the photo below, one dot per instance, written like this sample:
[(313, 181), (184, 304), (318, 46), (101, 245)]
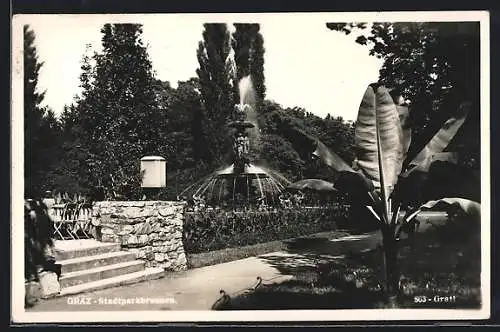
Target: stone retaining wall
[(152, 229)]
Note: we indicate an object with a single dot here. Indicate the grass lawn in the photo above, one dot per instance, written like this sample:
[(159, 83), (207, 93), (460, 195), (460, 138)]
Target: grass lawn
[(232, 254), (444, 263)]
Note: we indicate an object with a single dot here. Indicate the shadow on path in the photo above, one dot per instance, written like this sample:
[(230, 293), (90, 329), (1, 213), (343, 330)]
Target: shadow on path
[(346, 273), (327, 274)]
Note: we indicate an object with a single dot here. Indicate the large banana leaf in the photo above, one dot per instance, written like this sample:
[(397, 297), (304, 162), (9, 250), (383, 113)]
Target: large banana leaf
[(379, 138), (443, 178), (348, 180), (448, 179), (404, 116), (330, 158), (440, 140), (416, 222), (470, 208), (321, 151), (301, 141), (358, 187)]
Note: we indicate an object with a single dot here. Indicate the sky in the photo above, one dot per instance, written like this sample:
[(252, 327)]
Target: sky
[(305, 64)]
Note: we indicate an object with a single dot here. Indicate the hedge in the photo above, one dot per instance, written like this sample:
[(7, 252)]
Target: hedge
[(210, 230)]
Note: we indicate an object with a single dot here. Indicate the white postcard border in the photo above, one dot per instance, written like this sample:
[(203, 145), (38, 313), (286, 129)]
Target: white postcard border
[(20, 315)]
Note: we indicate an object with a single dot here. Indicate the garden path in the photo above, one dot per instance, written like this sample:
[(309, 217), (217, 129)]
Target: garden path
[(198, 289)]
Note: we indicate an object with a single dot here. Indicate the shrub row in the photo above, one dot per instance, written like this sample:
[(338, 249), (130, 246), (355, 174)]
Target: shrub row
[(210, 230)]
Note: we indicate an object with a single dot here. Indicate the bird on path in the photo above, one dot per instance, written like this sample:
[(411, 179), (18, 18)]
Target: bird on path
[(223, 302), (253, 288), (257, 285)]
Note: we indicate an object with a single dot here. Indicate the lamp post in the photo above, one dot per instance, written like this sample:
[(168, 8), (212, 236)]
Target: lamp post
[(153, 169)]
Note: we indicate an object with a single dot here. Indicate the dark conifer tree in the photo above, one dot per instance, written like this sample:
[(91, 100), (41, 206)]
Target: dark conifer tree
[(216, 90), (118, 118)]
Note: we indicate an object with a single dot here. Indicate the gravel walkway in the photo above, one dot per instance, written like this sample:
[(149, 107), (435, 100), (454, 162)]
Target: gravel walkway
[(198, 289)]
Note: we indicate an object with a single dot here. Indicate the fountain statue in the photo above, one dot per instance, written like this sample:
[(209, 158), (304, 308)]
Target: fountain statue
[(241, 144)]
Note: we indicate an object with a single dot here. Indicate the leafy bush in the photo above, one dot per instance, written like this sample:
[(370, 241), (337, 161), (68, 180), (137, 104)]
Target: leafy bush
[(209, 230), (38, 238)]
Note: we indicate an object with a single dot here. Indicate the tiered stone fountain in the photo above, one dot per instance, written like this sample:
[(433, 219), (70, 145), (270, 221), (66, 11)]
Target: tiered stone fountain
[(242, 182)]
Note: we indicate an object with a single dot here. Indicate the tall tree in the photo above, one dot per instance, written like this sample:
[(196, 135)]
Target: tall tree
[(242, 41), (72, 174), (215, 88), (32, 110), (257, 68), (182, 106), (41, 128), (118, 118), (436, 67), (248, 45)]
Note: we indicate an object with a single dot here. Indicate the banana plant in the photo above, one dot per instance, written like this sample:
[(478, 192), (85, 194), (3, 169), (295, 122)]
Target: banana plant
[(383, 172)]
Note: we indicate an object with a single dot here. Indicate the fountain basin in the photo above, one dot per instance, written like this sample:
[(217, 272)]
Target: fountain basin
[(241, 124)]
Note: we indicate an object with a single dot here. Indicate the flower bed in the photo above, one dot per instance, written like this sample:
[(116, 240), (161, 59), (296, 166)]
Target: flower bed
[(209, 230)]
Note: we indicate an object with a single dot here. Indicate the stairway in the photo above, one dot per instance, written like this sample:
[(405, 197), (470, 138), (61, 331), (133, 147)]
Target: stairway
[(89, 265)]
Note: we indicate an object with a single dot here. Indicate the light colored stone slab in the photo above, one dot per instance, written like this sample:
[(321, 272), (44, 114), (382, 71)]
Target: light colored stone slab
[(49, 284), (147, 274)]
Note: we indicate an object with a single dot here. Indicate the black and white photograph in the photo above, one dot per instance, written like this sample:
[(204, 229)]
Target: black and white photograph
[(250, 167)]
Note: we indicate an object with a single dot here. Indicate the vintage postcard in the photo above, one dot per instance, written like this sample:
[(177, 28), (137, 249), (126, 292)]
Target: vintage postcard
[(250, 167)]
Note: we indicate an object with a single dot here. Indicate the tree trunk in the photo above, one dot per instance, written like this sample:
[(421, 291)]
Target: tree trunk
[(391, 266)]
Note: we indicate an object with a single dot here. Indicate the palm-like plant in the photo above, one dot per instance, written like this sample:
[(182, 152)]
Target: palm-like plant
[(383, 175)]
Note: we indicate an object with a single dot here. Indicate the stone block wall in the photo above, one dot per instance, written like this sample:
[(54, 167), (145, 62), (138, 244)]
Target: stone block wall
[(152, 229)]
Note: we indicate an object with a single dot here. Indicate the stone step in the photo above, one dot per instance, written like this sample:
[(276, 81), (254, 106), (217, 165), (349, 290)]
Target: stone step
[(90, 262), (80, 248), (98, 273), (121, 280)]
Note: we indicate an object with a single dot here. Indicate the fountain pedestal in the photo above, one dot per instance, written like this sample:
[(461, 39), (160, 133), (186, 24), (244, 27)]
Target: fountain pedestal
[(241, 146)]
